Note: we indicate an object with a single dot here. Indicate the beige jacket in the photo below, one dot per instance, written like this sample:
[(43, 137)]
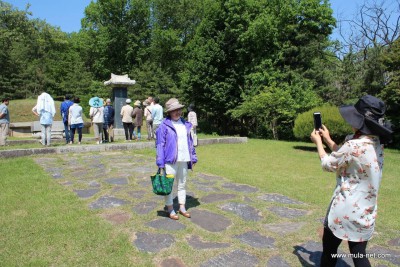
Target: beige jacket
[(126, 113)]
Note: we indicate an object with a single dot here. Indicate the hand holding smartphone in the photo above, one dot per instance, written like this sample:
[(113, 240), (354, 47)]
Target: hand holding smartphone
[(317, 121)]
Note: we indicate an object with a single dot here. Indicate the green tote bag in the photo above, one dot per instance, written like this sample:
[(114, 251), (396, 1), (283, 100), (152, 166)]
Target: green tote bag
[(162, 183)]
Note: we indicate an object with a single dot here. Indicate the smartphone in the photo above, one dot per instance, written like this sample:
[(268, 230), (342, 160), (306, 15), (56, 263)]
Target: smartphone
[(317, 121)]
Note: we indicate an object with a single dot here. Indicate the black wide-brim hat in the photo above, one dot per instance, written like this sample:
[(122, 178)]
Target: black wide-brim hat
[(367, 115)]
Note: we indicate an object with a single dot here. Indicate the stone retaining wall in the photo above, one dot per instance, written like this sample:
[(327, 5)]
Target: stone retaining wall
[(107, 147)]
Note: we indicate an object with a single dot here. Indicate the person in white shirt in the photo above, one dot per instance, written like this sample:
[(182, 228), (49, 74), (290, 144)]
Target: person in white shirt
[(97, 115), (75, 119), (157, 115), (149, 120)]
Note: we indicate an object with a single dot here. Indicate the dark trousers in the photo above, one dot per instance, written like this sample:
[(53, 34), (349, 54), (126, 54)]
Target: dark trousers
[(128, 128), (330, 244), (105, 135), (79, 134)]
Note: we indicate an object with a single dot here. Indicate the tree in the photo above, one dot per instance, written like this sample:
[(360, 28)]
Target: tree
[(242, 46), (116, 36)]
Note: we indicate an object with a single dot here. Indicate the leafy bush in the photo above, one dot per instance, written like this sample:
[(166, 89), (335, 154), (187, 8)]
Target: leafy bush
[(331, 118)]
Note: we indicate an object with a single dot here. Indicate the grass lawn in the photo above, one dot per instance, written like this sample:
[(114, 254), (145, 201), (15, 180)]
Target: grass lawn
[(42, 223)]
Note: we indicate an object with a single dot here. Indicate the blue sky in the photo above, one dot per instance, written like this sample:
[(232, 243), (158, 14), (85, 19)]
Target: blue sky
[(67, 14)]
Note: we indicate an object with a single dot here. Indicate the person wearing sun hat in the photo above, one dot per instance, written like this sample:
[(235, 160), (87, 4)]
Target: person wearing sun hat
[(358, 165), (175, 153), (96, 113)]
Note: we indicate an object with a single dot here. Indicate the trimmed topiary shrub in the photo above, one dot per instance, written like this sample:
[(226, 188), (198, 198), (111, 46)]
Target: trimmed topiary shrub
[(331, 118)]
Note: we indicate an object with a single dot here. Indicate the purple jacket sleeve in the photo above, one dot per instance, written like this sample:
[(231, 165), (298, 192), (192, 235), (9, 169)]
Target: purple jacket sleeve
[(161, 139)]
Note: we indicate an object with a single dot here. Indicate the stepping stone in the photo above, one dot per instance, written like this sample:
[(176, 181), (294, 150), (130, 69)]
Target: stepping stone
[(79, 174), (145, 207), (284, 227), (203, 218), (255, 240), (117, 217), (309, 254), (288, 212), (137, 194), (172, 262), (277, 261), (95, 166), (200, 183), (217, 197), (166, 224), (240, 187), (66, 183), (86, 193), (145, 169), (117, 181), (191, 201), (105, 202), (390, 255), (247, 199), (246, 212), (279, 198), (206, 188), (57, 175), (196, 243), (149, 242), (210, 177), (94, 183), (234, 258), (394, 242), (146, 184)]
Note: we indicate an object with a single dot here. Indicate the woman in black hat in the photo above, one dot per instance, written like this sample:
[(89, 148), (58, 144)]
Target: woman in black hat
[(358, 164)]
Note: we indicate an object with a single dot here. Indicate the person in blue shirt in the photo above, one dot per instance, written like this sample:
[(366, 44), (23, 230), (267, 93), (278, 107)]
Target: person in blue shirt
[(64, 114), (108, 125), (157, 114)]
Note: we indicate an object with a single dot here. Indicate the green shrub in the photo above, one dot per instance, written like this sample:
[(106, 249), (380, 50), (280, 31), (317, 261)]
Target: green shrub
[(331, 118)]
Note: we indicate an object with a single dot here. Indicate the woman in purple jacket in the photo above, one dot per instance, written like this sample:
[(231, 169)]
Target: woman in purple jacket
[(175, 153)]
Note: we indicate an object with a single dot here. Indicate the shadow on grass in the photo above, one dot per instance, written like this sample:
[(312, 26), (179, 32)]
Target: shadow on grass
[(306, 148)]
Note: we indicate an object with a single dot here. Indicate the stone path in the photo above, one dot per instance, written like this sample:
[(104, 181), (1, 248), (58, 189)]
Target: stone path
[(232, 224)]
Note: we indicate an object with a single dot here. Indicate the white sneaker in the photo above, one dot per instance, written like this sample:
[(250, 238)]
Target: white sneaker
[(97, 142)]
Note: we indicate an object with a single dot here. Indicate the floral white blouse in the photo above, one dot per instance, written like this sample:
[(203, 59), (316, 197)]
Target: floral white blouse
[(358, 165)]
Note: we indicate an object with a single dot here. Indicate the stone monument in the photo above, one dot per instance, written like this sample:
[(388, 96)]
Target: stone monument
[(119, 85)]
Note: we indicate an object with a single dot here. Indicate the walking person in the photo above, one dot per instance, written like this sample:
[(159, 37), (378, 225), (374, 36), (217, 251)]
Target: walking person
[(64, 111), (156, 115), (358, 165), (4, 121), (45, 109), (97, 115), (108, 126), (75, 119), (175, 153), (126, 115), (149, 120), (138, 118)]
